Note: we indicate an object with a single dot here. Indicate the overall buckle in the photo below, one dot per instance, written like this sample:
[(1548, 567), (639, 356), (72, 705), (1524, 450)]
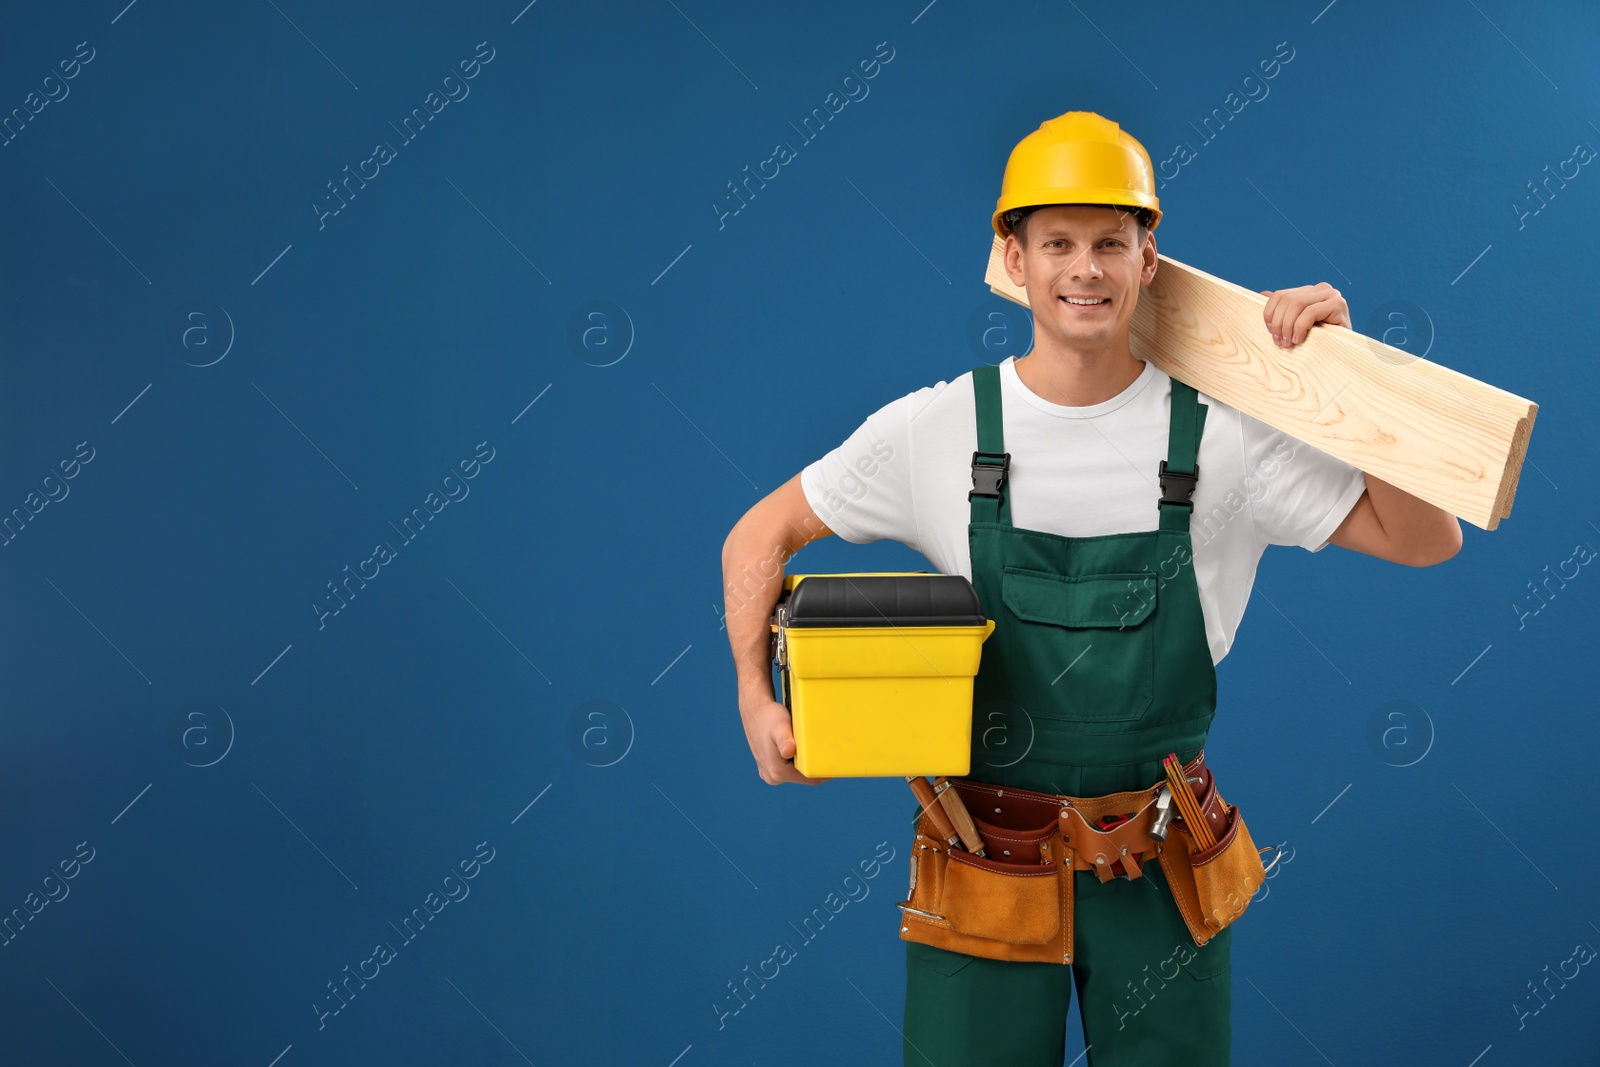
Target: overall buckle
[(1184, 483), (987, 478)]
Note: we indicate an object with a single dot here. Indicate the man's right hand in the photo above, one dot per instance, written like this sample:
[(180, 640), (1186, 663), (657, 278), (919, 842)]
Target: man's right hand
[(753, 559), (771, 735)]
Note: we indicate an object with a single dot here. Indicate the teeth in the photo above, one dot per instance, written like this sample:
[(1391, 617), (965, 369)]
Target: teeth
[(1087, 303)]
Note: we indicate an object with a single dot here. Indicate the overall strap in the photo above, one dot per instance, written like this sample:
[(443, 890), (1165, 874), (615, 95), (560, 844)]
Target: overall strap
[(991, 462), (1179, 472)]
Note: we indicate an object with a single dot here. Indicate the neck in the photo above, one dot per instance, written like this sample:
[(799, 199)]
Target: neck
[(1078, 377)]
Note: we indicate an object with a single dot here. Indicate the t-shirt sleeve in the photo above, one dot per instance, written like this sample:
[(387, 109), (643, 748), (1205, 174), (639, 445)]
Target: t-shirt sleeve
[(1299, 494), (862, 489)]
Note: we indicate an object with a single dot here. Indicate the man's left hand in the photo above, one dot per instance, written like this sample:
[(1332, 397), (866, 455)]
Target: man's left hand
[(1290, 313)]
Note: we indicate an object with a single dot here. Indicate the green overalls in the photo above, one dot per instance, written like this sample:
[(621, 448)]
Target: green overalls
[(1098, 667)]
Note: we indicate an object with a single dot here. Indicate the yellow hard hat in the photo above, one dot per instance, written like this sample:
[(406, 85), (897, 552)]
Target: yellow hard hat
[(1078, 158)]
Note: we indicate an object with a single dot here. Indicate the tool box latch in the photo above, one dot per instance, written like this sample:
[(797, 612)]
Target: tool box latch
[(988, 477), (780, 646)]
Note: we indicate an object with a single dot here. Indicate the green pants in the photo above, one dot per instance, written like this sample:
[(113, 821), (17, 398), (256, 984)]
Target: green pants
[(1147, 995)]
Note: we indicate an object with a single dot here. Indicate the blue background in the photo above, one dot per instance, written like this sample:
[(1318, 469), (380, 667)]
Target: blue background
[(543, 269)]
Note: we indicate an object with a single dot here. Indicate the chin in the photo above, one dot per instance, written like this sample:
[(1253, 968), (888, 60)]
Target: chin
[(1088, 333)]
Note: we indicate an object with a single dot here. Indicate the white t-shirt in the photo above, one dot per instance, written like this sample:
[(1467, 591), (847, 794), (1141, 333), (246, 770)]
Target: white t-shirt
[(905, 472)]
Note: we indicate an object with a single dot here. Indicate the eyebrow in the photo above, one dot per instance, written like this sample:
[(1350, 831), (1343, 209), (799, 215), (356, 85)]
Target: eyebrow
[(1056, 231)]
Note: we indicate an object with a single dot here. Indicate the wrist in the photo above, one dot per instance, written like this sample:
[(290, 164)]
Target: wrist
[(754, 693)]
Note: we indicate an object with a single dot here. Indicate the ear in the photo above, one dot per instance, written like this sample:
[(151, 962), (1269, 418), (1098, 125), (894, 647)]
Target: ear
[(1013, 261), (1147, 273)]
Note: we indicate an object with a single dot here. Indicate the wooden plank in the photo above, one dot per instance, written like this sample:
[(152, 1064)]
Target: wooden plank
[(1440, 435)]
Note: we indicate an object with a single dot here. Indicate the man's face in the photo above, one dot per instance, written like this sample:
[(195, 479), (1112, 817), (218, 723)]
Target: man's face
[(1081, 251)]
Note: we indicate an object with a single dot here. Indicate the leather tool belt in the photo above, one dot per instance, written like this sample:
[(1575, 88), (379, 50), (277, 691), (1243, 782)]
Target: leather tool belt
[(1016, 902)]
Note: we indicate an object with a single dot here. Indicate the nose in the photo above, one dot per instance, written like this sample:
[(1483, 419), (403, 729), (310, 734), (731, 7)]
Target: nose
[(1084, 265)]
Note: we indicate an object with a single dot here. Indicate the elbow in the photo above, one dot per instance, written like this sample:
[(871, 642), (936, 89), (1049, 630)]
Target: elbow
[(772, 531), (755, 548), (734, 541), (1435, 550)]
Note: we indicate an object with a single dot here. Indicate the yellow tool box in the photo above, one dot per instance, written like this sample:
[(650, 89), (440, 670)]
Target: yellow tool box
[(876, 670)]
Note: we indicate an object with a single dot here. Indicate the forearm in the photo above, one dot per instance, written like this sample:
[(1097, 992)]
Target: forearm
[(752, 579), (1421, 533)]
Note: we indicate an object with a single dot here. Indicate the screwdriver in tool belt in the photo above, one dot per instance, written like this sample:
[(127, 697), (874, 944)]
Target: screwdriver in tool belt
[(957, 811), (930, 804)]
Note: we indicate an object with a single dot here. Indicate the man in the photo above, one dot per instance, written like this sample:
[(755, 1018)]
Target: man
[(1112, 470)]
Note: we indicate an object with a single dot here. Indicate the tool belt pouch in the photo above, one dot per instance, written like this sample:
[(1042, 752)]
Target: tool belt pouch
[(998, 906), (1213, 886)]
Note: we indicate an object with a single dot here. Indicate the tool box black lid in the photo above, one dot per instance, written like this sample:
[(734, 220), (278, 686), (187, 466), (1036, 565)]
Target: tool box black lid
[(883, 600)]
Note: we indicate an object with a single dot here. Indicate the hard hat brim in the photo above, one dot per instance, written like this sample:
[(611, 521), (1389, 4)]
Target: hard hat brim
[(1092, 198)]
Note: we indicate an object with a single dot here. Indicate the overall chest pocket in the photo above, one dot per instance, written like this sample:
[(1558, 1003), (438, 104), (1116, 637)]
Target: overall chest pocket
[(1081, 649)]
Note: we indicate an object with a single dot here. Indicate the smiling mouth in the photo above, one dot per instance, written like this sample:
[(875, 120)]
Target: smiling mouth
[(1102, 302)]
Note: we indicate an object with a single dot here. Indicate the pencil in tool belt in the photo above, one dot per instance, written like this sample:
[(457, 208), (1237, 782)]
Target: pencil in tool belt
[(1188, 805)]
